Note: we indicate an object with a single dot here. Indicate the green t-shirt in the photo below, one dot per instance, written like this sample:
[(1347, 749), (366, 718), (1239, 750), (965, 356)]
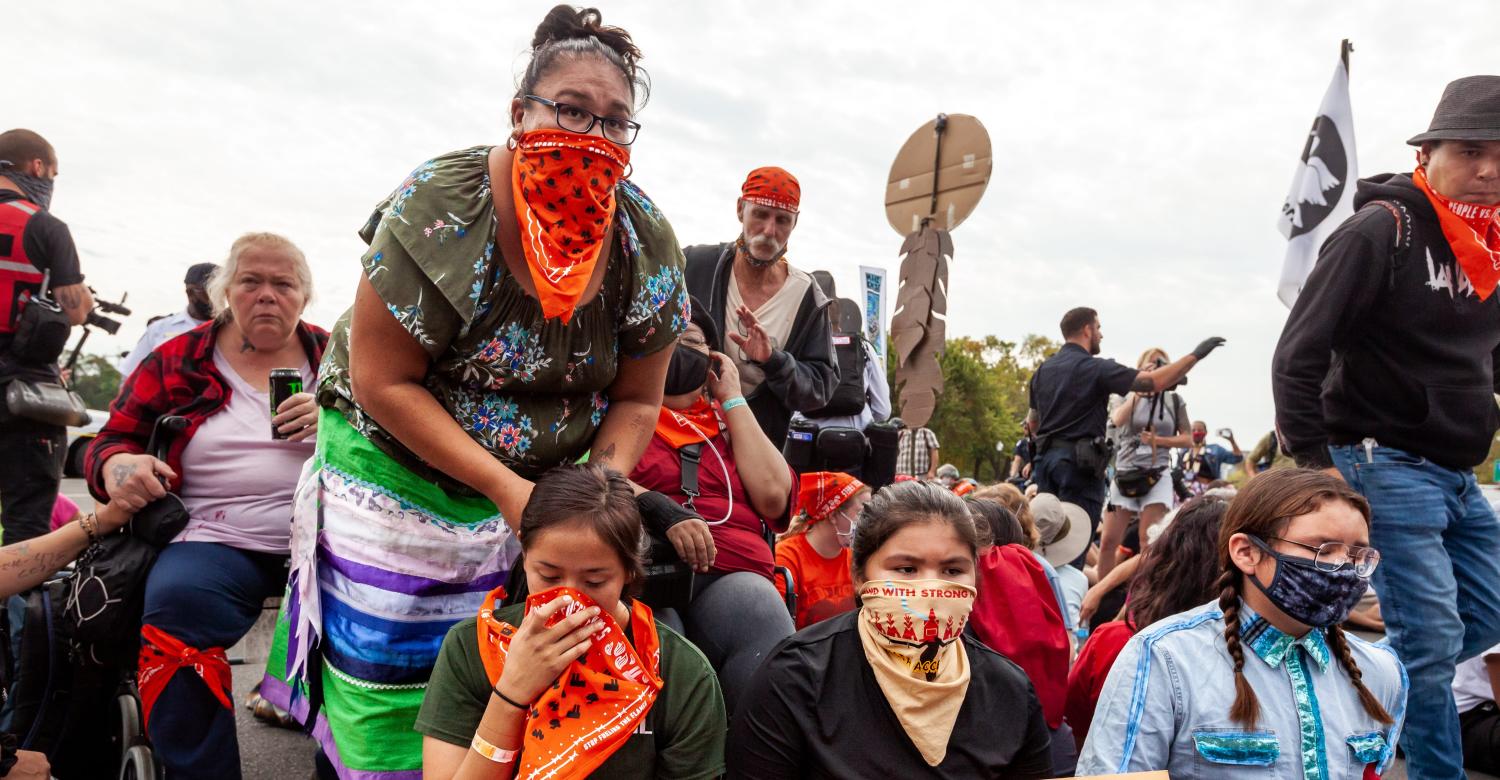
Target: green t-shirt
[(683, 734)]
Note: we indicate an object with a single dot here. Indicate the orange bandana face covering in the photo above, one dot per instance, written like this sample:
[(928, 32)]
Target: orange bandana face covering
[(1473, 233), (564, 189), (681, 427), (596, 703)]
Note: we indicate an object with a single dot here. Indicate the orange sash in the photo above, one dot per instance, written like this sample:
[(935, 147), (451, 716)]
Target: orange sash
[(563, 185), (1473, 233), (681, 427), (597, 702)]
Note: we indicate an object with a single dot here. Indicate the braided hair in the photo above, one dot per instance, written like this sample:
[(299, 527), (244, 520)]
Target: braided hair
[(1264, 509)]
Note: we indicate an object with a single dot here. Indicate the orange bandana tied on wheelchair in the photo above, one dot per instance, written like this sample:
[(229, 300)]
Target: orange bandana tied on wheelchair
[(596, 703), (563, 185)]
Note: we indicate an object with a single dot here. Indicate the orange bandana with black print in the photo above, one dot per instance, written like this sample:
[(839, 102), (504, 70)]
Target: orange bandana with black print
[(564, 189), (596, 703), (694, 425), (1473, 233)]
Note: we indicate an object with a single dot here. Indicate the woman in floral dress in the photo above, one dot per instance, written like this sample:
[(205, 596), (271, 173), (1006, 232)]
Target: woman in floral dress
[(513, 315)]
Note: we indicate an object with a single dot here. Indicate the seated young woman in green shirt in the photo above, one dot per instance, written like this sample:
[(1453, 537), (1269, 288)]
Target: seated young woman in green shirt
[(581, 679)]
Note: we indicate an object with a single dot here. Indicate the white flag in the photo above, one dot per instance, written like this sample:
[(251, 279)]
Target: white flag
[(874, 309), (1322, 194)]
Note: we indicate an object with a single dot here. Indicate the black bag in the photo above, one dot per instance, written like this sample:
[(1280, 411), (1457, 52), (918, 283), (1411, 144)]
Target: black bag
[(106, 593), (1134, 483), (880, 460), (46, 402), (41, 331), (848, 396), (840, 449)]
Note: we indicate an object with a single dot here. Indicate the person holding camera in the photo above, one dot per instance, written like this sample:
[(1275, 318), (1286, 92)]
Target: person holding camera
[(42, 296), (1069, 393), (1202, 463), (708, 441), (1147, 426)]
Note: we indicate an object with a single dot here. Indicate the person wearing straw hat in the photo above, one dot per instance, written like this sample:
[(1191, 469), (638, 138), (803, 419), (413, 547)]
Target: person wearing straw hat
[(1385, 375), (1063, 534)]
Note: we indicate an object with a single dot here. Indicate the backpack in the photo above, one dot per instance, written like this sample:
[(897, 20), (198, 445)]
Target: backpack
[(848, 396)]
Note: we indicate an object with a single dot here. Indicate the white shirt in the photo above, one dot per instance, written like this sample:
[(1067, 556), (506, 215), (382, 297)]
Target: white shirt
[(776, 316), (157, 334), (1471, 682)]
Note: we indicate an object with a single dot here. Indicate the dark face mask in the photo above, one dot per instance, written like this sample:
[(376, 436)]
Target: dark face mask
[(1307, 594), (687, 372), (36, 189)]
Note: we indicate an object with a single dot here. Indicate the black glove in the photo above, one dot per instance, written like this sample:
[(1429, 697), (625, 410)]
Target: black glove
[(1208, 345), (659, 512)]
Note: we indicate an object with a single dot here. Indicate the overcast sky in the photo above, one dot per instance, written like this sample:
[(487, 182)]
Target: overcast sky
[(1142, 150)]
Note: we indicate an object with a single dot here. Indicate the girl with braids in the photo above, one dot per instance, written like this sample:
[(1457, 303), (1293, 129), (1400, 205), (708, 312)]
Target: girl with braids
[(1262, 682)]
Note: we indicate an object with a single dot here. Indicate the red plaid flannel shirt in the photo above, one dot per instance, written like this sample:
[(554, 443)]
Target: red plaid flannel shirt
[(178, 378)]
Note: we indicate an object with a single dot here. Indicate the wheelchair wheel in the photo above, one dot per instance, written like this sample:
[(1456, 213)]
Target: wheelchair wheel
[(140, 764), (129, 710)]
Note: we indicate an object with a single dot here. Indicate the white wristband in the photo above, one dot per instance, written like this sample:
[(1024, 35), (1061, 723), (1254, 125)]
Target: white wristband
[(492, 752)]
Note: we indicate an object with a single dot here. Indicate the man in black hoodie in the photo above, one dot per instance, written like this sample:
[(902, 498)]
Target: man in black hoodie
[(1386, 371), (775, 315)]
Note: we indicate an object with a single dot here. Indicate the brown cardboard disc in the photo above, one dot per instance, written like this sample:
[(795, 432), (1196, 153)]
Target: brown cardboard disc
[(963, 170)]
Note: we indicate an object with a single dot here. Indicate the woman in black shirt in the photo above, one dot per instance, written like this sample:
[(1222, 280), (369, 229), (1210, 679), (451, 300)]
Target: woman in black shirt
[(897, 688)]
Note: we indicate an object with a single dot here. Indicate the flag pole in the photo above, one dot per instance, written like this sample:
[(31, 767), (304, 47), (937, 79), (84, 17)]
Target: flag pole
[(1344, 50)]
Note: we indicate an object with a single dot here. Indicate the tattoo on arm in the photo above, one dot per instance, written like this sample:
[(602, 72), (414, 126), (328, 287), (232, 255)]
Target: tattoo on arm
[(608, 454), (122, 472), (69, 298), (20, 561)]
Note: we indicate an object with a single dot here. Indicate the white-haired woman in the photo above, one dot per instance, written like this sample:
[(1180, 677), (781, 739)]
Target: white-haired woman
[(235, 479)]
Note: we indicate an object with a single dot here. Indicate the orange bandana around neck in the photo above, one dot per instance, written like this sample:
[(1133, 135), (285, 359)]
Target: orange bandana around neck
[(1473, 233), (596, 703), (681, 427), (564, 189)]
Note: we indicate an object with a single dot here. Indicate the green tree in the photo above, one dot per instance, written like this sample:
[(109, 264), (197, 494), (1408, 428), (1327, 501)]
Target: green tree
[(984, 400), (96, 380)]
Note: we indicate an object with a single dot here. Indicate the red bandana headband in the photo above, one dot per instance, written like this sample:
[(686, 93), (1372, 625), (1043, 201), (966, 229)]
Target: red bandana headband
[(821, 492), (773, 187)]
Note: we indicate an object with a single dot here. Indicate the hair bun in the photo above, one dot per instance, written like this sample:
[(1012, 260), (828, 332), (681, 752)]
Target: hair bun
[(564, 22)]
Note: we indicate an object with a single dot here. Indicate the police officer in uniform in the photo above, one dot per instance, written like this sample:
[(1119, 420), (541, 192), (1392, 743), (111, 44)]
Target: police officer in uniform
[(35, 249), (1069, 395)]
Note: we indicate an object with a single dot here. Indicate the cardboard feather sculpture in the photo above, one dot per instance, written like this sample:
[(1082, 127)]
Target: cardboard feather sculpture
[(936, 181)]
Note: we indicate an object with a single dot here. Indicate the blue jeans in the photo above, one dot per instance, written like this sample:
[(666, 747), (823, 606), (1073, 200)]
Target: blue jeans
[(1439, 586), (207, 595)]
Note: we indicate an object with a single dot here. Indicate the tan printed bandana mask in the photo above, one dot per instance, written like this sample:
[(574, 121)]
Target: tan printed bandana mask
[(910, 632)]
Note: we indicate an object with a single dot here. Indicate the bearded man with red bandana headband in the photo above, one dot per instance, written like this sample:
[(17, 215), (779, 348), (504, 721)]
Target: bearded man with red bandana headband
[(774, 314)]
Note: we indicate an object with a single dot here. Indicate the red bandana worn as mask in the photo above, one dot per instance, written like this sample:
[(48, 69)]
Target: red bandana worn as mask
[(564, 189), (1473, 233)]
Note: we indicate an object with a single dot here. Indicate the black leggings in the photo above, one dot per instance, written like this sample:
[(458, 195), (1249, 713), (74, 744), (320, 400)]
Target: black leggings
[(1481, 732)]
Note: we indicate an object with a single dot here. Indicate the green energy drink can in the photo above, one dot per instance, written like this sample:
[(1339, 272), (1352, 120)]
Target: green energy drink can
[(285, 383)]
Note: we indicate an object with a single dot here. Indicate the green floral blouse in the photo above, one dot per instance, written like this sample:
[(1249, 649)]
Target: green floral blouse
[(531, 391)]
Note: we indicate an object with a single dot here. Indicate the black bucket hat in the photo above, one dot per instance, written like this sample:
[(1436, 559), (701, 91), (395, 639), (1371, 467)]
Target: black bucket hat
[(1469, 111), (704, 319)]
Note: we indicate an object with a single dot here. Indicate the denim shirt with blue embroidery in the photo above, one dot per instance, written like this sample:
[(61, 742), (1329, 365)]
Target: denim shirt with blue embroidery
[(1166, 704)]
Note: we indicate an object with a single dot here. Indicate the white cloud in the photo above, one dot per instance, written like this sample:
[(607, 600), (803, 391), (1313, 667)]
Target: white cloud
[(1141, 149)]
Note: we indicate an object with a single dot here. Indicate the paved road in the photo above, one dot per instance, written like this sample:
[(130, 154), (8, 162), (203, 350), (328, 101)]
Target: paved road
[(266, 753)]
